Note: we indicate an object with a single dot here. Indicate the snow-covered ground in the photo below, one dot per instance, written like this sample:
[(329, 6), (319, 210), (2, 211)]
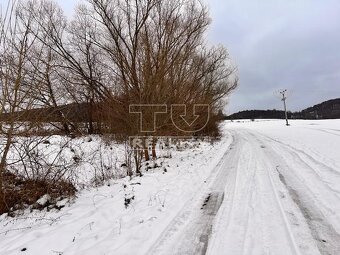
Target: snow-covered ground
[(283, 195), (263, 189), (97, 222)]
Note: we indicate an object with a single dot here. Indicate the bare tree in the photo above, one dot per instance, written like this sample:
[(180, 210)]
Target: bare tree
[(16, 44), (158, 48), (82, 69), (111, 55)]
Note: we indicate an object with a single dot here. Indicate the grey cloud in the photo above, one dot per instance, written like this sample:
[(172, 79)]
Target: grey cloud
[(280, 44)]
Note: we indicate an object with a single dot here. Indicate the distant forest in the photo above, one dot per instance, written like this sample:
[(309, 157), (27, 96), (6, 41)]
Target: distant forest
[(326, 110)]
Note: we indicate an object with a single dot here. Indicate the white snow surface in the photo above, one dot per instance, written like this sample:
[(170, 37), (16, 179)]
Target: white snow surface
[(44, 200), (265, 188), (97, 222), (283, 192)]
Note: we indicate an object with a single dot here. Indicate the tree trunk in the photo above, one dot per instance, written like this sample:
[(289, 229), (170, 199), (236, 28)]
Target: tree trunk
[(146, 154), (90, 112), (3, 165), (138, 160), (63, 122), (154, 154)]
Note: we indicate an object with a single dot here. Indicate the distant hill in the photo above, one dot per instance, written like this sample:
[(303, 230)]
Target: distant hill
[(326, 110), (259, 114), (80, 113), (72, 112)]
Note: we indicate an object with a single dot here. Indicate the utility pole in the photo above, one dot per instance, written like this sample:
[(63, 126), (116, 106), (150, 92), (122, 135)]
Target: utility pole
[(284, 97)]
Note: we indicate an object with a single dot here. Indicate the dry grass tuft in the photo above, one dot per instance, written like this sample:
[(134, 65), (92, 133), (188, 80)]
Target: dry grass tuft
[(19, 193)]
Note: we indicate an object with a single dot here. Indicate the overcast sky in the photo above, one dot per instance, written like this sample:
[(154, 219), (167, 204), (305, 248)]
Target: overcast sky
[(292, 44)]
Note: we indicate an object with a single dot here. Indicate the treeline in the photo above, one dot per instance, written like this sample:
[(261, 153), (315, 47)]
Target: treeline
[(326, 110), (259, 114)]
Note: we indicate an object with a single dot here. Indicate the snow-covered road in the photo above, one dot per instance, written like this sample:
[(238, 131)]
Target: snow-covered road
[(278, 199), (263, 189)]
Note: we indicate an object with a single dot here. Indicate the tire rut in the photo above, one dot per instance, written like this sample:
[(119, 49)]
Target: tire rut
[(190, 230), (328, 240)]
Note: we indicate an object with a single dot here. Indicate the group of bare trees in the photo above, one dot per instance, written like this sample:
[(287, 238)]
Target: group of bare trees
[(112, 54)]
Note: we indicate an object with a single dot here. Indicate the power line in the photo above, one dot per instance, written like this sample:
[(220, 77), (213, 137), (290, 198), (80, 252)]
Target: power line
[(284, 97)]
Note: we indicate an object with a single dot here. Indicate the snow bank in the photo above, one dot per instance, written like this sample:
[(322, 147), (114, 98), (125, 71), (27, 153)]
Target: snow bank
[(98, 221)]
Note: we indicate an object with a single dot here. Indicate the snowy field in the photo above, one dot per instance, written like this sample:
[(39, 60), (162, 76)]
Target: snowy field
[(263, 189), (282, 195)]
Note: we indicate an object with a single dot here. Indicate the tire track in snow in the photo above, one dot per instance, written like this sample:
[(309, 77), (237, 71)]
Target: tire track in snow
[(194, 239), (254, 222), (296, 153), (326, 237), (323, 130), (289, 233), (328, 240), (284, 217), (296, 150), (251, 200), (189, 232)]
